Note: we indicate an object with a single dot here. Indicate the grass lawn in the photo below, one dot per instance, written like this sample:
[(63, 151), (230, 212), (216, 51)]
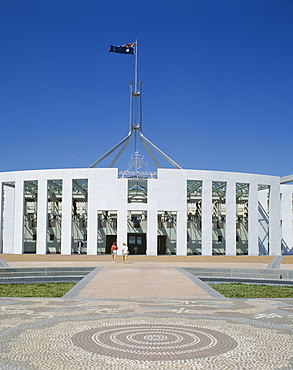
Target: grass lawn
[(35, 290), (239, 290)]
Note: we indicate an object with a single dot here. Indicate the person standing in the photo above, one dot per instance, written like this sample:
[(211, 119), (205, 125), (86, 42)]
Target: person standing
[(79, 246), (114, 250), (124, 253)]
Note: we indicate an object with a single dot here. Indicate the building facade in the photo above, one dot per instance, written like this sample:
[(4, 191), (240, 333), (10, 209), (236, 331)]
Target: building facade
[(182, 212)]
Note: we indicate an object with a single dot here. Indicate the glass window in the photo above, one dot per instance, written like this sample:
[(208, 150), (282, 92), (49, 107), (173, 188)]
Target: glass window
[(242, 193), (79, 216), (54, 216), (219, 217), (137, 191), (30, 216), (194, 202)]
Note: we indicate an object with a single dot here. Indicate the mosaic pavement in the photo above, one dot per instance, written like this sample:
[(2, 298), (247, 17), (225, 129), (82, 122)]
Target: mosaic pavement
[(125, 334)]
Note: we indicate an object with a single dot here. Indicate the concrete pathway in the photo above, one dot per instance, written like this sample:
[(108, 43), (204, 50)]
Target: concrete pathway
[(3, 263), (134, 281), (275, 263)]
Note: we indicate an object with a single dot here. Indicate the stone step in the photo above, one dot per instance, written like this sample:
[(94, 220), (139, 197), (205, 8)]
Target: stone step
[(246, 273), (43, 271)]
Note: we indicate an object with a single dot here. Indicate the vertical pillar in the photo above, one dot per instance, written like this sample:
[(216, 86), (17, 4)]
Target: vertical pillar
[(92, 231), (121, 229), (207, 208), (181, 244), (1, 217), (18, 217), (253, 219), (66, 216), (274, 221), (42, 214), (263, 220), (230, 219), (287, 217), (152, 233), (8, 219)]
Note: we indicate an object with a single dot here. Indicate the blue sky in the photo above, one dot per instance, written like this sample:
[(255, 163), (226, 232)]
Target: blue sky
[(217, 82)]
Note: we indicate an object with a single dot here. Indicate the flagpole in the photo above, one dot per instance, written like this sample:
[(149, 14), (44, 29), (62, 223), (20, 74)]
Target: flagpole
[(140, 109), (136, 93), (130, 110), (136, 68)]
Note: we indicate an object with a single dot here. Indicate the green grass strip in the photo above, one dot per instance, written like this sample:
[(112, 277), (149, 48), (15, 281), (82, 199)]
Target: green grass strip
[(239, 290), (35, 290)]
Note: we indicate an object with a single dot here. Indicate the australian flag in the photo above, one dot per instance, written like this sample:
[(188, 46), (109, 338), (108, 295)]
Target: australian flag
[(123, 49)]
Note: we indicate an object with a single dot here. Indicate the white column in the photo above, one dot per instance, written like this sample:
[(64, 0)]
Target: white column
[(274, 221), (231, 219), (181, 244), (287, 216), (66, 216), (1, 217), (42, 217), (18, 217), (207, 207), (92, 231), (253, 219), (152, 233), (8, 219), (121, 229)]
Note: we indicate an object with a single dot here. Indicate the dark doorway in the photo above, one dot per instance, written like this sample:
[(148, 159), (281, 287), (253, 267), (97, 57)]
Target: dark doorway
[(110, 239), (161, 246), (137, 243)]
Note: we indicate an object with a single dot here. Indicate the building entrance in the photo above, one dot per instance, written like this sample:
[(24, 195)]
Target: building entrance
[(137, 243), (110, 239), (161, 246)]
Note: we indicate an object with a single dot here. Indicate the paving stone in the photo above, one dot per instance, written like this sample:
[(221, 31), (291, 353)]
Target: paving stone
[(146, 334), (155, 321)]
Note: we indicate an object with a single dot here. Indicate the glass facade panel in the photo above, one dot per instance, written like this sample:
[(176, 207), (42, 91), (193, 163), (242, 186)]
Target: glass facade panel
[(30, 216), (8, 200), (194, 207), (167, 232), (137, 231), (263, 219), (137, 190), (242, 193), (54, 226), (219, 217), (107, 231), (79, 216)]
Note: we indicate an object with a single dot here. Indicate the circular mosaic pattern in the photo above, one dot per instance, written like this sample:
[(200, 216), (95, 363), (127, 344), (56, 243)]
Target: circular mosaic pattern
[(154, 341)]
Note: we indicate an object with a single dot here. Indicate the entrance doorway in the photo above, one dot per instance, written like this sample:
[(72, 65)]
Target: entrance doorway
[(137, 243), (110, 239), (161, 245)]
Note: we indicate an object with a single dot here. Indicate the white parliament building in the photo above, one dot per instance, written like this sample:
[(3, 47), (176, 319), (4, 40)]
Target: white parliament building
[(171, 211), (183, 212)]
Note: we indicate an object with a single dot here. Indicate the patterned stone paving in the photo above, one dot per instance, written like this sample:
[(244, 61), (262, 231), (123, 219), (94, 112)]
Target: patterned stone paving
[(125, 334)]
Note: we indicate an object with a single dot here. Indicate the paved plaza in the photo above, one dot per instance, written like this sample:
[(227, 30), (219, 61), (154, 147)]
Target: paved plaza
[(122, 317)]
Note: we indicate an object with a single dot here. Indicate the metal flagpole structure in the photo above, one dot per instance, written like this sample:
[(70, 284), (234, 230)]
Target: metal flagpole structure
[(136, 66), (135, 115)]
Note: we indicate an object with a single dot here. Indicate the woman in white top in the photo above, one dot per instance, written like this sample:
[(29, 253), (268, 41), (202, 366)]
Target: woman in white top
[(124, 253)]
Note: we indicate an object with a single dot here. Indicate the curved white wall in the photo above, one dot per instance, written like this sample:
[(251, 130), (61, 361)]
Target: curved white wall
[(168, 192)]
